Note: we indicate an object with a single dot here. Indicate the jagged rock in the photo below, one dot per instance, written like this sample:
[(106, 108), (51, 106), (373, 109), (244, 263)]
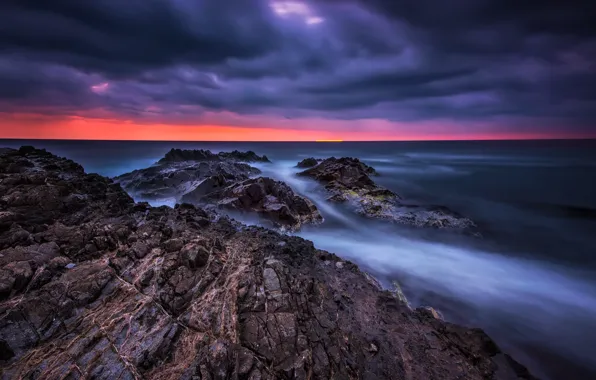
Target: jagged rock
[(308, 163), (202, 177), (261, 305), (174, 179), (273, 200), (194, 256), (207, 186), (177, 155), (346, 170), (348, 180), (180, 172)]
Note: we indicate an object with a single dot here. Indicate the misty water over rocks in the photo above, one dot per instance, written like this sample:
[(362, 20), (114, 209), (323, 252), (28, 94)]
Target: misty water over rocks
[(529, 282)]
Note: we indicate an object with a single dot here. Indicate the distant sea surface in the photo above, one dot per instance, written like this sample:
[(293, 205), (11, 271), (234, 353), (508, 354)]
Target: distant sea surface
[(530, 282)]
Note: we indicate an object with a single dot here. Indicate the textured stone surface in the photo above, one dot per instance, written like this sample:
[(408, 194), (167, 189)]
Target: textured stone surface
[(162, 293), (174, 179), (348, 180), (273, 200)]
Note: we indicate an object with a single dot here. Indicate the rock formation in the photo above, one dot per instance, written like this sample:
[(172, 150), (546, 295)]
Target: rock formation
[(174, 179), (308, 163), (273, 200), (178, 155), (348, 180), (96, 286), (207, 179)]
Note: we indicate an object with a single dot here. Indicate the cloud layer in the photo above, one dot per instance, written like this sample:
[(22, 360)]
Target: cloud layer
[(525, 67)]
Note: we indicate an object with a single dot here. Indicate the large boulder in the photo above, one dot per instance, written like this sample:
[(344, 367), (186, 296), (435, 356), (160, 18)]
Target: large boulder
[(348, 180), (118, 290), (273, 200)]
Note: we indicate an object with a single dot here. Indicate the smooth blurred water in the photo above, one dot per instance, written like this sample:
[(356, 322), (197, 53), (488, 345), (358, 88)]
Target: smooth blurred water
[(530, 283)]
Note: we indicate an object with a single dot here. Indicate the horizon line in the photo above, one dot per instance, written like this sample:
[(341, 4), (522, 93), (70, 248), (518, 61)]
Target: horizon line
[(308, 141)]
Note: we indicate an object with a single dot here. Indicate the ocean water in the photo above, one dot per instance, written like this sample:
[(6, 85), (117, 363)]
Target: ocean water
[(530, 282)]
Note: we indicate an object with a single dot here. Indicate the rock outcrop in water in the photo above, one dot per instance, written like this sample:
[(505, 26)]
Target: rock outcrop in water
[(178, 155), (96, 286), (348, 180), (207, 179), (308, 163), (173, 180), (273, 200)]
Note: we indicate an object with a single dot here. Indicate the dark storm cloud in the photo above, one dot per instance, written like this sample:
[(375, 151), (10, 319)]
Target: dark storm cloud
[(574, 17), (122, 37), (396, 60), (55, 88)]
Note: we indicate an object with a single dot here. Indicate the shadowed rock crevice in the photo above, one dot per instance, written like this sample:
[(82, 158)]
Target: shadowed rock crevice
[(116, 289)]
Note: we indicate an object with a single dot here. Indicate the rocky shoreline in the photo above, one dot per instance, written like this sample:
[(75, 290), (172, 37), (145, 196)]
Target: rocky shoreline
[(94, 285)]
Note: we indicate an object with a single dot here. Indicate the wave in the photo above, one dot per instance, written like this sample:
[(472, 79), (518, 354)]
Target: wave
[(545, 304), (528, 306)]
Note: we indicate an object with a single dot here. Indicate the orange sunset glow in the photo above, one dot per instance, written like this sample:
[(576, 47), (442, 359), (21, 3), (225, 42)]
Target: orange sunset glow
[(81, 128)]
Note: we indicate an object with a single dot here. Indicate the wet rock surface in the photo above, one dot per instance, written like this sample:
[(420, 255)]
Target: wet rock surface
[(348, 180), (96, 286), (173, 179), (203, 178), (273, 200)]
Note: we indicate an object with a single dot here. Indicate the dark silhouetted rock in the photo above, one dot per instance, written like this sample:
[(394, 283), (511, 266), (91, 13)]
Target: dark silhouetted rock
[(348, 180), (178, 155), (204, 297), (308, 163)]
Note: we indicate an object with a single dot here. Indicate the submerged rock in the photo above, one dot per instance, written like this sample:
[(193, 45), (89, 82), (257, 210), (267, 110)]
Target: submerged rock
[(162, 293), (273, 200), (348, 180)]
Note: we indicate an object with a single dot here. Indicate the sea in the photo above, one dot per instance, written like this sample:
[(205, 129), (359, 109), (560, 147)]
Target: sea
[(529, 282)]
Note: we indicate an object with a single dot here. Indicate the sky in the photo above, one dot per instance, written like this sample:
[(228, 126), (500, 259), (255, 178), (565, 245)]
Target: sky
[(297, 70)]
